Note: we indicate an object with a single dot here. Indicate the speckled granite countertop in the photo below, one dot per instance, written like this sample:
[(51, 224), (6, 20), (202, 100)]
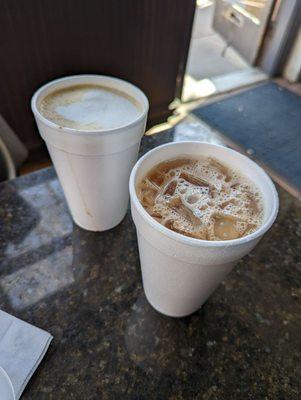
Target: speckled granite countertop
[(85, 289)]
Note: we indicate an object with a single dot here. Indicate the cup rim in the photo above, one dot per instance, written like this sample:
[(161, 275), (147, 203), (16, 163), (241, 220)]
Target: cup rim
[(74, 131), (200, 242)]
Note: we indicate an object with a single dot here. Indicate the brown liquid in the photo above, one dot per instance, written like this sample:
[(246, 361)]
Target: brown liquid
[(202, 199)]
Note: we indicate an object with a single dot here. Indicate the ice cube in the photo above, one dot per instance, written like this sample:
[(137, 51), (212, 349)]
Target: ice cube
[(225, 228)]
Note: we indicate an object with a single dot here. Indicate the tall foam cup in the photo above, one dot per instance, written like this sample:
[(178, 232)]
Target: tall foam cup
[(179, 273), (93, 166)]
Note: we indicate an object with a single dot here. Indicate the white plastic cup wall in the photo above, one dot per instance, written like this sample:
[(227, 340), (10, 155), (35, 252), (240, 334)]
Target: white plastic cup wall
[(93, 166), (179, 273)]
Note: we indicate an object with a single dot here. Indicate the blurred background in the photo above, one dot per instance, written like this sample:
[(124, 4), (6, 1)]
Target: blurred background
[(181, 53)]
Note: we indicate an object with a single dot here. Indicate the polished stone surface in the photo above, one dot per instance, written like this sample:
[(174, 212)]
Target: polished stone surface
[(85, 289)]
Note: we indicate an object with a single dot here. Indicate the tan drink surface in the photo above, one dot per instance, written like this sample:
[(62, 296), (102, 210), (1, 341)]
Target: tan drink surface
[(89, 107), (201, 198)]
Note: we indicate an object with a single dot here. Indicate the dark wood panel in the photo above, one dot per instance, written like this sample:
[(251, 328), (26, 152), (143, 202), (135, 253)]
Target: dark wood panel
[(143, 41)]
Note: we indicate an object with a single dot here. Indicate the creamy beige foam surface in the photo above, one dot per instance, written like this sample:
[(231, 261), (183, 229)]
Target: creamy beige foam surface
[(90, 107), (202, 199)]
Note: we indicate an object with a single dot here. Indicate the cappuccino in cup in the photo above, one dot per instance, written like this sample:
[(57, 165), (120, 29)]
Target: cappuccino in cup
[(92, 126), (90, 107)]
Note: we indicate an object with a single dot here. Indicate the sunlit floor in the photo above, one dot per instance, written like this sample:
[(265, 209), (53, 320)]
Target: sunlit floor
[(209, 55)]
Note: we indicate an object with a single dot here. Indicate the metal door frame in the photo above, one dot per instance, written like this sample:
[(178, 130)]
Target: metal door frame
[(279, 37)]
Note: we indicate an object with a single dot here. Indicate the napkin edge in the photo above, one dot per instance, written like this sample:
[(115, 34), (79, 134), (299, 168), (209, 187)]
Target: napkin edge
[(35, 366)]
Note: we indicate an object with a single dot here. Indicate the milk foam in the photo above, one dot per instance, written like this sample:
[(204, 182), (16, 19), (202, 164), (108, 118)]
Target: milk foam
[(90, 107), (202, 199)]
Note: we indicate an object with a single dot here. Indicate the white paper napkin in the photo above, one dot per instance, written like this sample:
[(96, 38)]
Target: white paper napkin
[(22, 347)]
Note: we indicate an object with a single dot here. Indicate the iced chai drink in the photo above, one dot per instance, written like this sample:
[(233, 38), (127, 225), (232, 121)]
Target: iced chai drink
[(198, 209), (201, 198)]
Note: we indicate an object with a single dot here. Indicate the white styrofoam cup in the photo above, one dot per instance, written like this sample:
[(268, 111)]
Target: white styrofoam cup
[(93, 166), (179, 273)]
